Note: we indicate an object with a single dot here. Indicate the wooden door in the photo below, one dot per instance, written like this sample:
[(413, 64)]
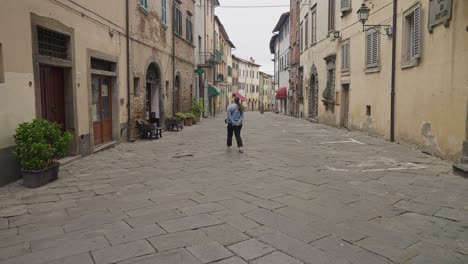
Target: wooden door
[(345, 106), (101, 109), (53, 94)]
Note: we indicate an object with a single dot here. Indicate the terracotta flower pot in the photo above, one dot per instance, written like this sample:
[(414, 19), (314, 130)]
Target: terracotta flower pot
[(188, 121)]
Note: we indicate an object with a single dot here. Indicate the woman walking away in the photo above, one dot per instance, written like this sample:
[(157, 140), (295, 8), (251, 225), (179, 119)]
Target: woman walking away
[(235, 117)]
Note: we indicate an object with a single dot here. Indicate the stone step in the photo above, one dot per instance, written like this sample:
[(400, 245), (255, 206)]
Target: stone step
[(465, 147), (464, 160), (68, 160), (461, 169)]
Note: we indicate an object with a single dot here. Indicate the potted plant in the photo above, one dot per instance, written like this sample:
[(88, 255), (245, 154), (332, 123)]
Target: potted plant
[(181, 116), (188, 119), (39, 144), (197, 109)]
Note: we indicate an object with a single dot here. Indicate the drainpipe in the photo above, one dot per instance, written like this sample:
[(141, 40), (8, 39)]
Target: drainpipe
[(127, 29), (392, 95), (173, 55), (205, 84)]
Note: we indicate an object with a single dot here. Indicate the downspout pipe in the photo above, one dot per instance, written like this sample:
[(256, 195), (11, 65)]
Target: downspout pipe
[(173, 55), (392, 94), (127, 32)]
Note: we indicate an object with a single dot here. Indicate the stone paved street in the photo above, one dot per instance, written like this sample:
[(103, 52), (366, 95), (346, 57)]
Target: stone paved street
[(301, 193)]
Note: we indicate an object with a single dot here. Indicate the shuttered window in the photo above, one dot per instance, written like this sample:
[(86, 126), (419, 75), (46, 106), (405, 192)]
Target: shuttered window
[(345, 6), (372, 48), (306, 32), (302, 38), (178, 21), (345, 56), (164, 11), (144, 3), (412, 35), (331, 15), (313, 28)]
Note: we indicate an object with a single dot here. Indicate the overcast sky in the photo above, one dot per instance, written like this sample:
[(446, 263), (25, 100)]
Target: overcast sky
[(250, 29)]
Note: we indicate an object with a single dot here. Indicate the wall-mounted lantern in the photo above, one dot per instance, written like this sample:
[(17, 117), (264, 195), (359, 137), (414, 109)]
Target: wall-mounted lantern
[(363, 16)]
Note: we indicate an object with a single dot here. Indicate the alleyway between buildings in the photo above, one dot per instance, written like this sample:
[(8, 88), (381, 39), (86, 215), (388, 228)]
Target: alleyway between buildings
[(301, 193)]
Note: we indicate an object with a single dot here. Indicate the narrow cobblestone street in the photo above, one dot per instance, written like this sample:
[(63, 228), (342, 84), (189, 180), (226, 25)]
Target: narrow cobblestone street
[(301, 193)]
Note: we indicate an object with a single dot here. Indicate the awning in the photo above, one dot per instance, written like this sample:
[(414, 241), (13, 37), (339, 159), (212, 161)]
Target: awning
[(282, 93), (238, 95), (213, 91)]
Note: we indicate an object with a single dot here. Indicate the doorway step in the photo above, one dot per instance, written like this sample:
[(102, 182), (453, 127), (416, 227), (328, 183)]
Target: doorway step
[(462, 168)]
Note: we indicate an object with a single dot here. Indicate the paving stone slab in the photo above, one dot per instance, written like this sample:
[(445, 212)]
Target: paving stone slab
[(41, 198), (454, 214), (3, 223), (154, 218), (76, 195), (13, 251), (233, 260), (122, 252), (69, 248), (300, 250), (276, 257), (41, 208), (13, 211), (224, 234), (96, 231), (78, 259), (417, 207), (238, 205), (189, 222), (178, 240), (161, 208), (178, 256), (209, 252), (126, 236), (87, 221), (286, 225), (251, 249), (202, 209), (267, 204), (236, 220)]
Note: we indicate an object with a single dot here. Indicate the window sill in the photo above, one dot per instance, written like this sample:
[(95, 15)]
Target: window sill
[(409, 64), (346, 73), (185, 40), (372, 70), (143, 10), (163, 25), (346, 12)]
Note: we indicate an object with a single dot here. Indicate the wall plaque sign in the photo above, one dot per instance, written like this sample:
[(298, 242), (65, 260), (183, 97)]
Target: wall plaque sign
[(440, 11)]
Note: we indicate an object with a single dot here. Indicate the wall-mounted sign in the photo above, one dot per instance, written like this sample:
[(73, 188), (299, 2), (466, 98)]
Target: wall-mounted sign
[(440, 11)]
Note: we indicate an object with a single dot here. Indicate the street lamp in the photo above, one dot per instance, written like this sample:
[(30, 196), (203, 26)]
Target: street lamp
[(363, 16)]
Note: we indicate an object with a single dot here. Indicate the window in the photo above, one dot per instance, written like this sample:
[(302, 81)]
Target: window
[(163, 11), (52, 44), (136, 86), (302, 38), (2, 69), (345, 56), (411, 49), (178, 21), (345, 6), (306, 30), (372, 49), (368, 110), (144, 3), (331, 15), (188, 29), (313, 28)]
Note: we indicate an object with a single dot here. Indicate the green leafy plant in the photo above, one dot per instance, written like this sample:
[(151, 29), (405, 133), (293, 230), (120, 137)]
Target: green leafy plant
[(197, 107), (189, 115), (39, 144), (181, 115)]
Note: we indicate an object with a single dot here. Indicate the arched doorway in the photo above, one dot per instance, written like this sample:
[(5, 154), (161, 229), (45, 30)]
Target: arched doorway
[(177, 107), (153, 100), (313, 94)]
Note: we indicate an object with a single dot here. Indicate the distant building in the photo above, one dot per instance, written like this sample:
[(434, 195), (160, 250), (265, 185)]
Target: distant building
[(283, 57)]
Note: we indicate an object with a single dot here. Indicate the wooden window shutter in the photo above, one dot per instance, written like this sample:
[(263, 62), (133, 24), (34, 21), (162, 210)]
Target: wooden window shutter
[(416, 45), (375, 48), (345, 5), (345, 56), (368, 49)]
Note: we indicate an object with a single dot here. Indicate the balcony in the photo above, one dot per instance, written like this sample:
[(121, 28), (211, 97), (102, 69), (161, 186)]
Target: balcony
[(207, 60)]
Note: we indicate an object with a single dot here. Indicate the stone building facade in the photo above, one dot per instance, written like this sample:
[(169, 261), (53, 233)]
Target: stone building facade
[(349, 71)]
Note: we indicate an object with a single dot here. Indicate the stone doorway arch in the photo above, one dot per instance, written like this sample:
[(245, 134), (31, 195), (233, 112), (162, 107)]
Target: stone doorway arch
[(154, 99), (313, 94)]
